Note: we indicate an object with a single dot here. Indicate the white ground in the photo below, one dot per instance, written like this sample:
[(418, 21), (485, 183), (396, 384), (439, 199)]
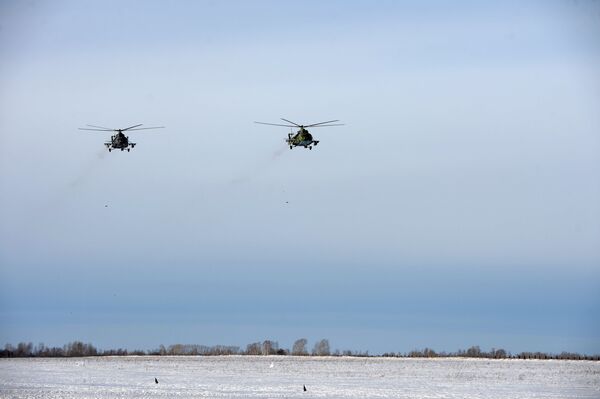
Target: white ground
[(253, 377)]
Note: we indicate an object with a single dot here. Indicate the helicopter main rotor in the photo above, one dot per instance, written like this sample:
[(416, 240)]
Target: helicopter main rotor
[(130, 128), (294, 124)]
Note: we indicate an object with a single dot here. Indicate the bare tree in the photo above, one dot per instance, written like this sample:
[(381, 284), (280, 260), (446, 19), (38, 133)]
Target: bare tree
[(24, 349), (254, 348), (270, 347), (176, 350), (78, 349), (299, 348), (428, 352), (321, 348), (474, 351)]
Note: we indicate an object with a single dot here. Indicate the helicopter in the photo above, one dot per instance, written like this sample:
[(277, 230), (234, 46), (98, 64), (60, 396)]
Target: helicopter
[(302, 138), (119, 140)]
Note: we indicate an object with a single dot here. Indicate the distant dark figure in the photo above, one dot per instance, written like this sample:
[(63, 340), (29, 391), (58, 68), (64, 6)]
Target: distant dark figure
[(155, 380), (304, 386)]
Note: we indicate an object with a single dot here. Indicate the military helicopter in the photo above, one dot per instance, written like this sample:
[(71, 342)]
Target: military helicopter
[(119, 140), (302, 138)]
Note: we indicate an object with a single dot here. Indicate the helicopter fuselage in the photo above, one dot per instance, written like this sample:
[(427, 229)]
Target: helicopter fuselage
[(119, 141), (301, 139)]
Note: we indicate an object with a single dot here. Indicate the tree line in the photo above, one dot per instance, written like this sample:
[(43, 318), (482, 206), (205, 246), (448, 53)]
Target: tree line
[(476, 352), (80, 349), (264, 348)]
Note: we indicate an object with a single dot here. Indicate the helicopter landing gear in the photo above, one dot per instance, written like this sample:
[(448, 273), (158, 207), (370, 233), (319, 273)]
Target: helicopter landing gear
[(291, 147), (110, 149)]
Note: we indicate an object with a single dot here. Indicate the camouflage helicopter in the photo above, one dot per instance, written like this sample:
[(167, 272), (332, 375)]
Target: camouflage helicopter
[(302, 138), (119, 140)]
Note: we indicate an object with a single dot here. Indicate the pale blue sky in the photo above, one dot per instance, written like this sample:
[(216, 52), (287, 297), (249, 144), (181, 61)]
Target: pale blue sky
[(460, 204)]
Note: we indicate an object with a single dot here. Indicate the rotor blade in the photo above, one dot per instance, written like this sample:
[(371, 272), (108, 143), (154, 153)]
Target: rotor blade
[(336, 124), (101, 127), (293, 123), (97, 130), (321, 123), (146, 128), (275, 124), (130, 127)]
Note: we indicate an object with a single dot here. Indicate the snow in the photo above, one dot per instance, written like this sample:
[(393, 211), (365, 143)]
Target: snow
[(328, 377)]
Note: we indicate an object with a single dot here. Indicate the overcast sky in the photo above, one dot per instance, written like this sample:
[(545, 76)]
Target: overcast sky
[(458, 206)]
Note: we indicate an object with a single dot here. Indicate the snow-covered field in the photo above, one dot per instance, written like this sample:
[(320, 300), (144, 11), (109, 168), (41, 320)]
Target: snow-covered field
[(284, 377)]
